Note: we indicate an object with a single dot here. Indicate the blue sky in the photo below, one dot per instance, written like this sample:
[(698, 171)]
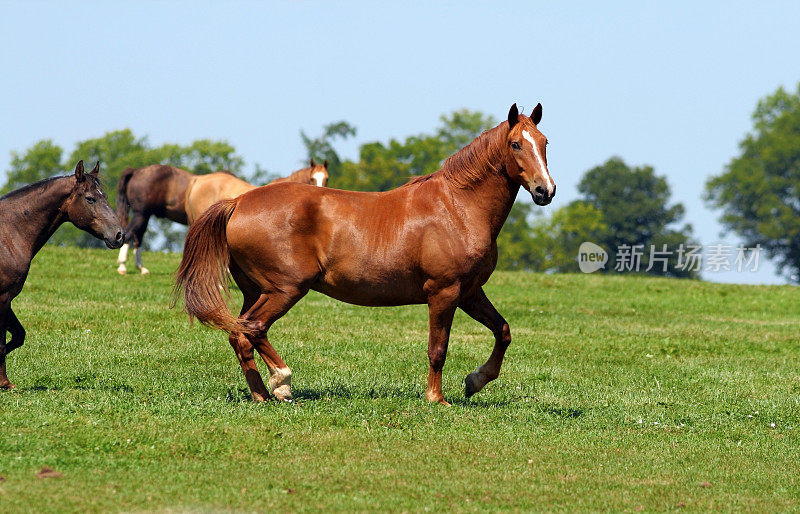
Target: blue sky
[(671, 84)]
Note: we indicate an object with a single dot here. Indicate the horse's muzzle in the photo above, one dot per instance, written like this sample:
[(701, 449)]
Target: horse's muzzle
[(541, 196), (116, 242)]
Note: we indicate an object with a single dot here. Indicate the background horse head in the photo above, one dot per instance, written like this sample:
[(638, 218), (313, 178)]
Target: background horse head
[(316, 175), (28, 217)]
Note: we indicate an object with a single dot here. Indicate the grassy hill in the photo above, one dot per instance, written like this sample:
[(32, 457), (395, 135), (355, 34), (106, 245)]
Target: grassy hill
[(620, 393)]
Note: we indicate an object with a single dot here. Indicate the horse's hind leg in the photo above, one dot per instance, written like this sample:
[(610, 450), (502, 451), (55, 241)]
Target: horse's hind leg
[(134, 234), (267, 310), (244, 354), (10, 323), (481, 310)]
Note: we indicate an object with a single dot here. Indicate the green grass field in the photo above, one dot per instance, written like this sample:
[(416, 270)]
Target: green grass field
[(621, 394)]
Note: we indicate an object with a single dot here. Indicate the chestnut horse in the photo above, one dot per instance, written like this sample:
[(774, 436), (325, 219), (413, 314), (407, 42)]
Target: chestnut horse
[(28, 217), (169, 192), (431, 241)]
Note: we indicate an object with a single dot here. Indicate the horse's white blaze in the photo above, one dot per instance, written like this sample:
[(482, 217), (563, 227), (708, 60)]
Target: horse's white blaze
[(550, 183), (318, 176)]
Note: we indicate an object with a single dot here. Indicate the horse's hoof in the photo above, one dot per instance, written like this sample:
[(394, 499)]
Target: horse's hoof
[(122, 270), (471, 385), (280, 384), (145, 271), (283, 393), (258, 398), (436, 398), (7, 385)]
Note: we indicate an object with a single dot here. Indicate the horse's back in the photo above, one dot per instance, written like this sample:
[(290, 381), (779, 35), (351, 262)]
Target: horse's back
[(160, 190), (206, 190), (336, 241)]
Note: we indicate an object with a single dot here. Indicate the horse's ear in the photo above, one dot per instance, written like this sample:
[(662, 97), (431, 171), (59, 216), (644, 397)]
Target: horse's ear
[(513, 116), (313, 163), (96, 169), (325, 164), (536, 115), (79, 171)]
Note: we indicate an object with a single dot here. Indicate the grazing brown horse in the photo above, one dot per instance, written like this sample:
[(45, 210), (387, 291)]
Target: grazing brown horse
[(172, 193), (431, 241), (28, 217)]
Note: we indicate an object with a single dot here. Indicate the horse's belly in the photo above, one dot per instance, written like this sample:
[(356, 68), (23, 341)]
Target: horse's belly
[(372, 289)]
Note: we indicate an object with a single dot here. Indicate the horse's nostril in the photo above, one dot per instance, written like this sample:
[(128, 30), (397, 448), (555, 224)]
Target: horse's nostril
[(539, 190), (119, 236)]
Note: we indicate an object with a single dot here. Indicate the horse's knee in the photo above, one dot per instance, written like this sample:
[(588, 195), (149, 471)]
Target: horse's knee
[(437, 355)]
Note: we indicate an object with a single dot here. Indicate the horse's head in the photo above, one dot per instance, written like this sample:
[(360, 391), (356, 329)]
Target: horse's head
[(319, 174), (87, 208), (527, 164)]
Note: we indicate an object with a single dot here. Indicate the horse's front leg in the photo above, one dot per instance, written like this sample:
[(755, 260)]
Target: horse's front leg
[(441, 309), (481, 310), (10, 323), (123, 256)]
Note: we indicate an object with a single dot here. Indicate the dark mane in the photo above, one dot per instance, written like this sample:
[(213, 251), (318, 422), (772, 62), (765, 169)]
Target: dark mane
[(30, 187), (44, 184), (470, 164)]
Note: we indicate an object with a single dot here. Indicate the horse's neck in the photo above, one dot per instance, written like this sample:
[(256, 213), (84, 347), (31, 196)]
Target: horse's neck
[(488, 200), (302, 175), (38, 213)]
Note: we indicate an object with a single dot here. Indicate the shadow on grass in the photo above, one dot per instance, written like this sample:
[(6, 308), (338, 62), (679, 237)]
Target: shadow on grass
[(87, 382), (347, 392)]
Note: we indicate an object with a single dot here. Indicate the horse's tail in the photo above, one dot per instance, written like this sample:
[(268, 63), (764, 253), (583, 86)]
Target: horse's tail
[(123, 205), (203, 272)]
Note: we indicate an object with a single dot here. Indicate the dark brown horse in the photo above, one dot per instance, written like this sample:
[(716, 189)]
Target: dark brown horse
[(28, 217), (172, 193), (431, 241)]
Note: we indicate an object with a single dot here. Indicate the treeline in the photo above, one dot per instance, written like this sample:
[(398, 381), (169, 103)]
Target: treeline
[(619, 207), (620, 204)]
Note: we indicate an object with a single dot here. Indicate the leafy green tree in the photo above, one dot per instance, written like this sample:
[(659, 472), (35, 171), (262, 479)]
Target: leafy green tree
[(321, 148), (385, 166), (634, 202), (117, 150), (40, 161), (519, 247), (759, 191), (561, 234)]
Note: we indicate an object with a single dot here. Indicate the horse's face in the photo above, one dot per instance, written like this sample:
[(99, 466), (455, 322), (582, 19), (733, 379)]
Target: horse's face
[(319, 174), (88, 209), (527, 165)]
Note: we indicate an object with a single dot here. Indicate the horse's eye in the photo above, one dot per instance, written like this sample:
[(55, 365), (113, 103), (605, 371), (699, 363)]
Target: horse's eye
[(515, 145), (90, 199)]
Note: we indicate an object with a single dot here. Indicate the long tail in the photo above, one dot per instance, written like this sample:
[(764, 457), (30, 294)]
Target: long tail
[(203, 272), (123, 205)]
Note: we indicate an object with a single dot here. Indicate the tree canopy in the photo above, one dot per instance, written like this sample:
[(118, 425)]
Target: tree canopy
[(759, 190), (620, 205), (635, 208), (117, 150)]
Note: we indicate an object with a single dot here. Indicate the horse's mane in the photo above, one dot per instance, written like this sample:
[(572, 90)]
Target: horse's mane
[(470, 164), (42, 184)]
